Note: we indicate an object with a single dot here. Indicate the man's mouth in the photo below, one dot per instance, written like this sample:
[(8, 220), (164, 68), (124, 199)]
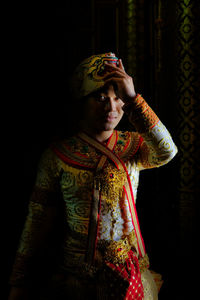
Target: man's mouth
[(110, 118)]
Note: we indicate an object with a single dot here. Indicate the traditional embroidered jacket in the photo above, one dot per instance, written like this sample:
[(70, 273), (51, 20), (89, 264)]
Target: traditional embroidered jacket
[(95, 185)]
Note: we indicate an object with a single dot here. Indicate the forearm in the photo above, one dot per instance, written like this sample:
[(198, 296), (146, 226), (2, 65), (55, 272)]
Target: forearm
[(140, 114), (158, 147)]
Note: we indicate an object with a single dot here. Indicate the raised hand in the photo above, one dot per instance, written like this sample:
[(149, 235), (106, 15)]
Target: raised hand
[(124, 83)]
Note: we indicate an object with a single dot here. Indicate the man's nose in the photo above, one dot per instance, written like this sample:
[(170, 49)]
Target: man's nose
[(110, 104)]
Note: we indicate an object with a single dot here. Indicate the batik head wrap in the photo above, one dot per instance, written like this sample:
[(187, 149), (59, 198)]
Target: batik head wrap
[(88, 76)]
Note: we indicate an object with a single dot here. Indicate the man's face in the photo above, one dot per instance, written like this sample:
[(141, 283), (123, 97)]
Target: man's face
[(103, 110)]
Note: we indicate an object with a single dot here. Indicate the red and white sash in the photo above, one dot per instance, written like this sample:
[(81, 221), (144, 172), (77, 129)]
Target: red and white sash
[(107, 153)]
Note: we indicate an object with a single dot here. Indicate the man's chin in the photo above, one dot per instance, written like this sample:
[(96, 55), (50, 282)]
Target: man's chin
[(108, 127)]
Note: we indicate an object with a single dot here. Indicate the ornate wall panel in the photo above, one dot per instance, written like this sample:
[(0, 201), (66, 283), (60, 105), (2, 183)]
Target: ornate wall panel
[(131, 45), (188, 115), (134, 36)]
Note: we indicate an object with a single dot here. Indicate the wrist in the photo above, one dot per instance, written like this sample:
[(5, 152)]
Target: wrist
[(133, 99), (133, 102), (136, 98)]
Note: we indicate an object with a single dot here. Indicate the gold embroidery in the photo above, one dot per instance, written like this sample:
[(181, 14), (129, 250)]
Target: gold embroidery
[(133, 240), (122, 141), (110, 181), (117, 251), (144, 263)]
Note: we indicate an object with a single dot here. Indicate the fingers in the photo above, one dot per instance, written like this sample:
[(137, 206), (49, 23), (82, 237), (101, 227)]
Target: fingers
[(114, 67), (114, 74), (121, 64), (112, 79)]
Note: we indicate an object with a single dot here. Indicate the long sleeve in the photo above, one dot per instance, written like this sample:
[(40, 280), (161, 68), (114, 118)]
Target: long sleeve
[(42, 213), (157, 147)]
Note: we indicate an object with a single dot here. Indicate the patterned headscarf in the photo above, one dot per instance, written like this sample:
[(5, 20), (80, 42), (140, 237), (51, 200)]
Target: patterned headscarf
[(88, 76)]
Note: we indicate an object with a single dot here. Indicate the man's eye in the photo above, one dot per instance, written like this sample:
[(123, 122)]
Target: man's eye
[(101, 98)]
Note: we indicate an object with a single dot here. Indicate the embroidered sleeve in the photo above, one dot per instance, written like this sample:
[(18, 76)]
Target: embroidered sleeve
[(157, 147), (42, 212)]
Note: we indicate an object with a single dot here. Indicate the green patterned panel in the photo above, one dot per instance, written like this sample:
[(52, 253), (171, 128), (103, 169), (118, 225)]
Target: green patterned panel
[(131, 44), (188, 111)]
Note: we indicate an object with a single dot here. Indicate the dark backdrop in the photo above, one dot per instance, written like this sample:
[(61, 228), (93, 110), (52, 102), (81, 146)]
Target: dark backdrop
[(158, 42)]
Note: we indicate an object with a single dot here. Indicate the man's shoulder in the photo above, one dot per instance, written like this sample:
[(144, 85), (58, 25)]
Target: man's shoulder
[(75, 152), (124, 137), (128, 143), (68, 144)]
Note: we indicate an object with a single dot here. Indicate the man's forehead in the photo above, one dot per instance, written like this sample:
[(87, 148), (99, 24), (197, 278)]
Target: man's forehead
[(105, 89)]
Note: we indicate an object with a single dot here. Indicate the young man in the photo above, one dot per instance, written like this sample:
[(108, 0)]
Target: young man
[(89, 181)]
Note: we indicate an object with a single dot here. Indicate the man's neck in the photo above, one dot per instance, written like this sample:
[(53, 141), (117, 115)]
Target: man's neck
[(101, 136)]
